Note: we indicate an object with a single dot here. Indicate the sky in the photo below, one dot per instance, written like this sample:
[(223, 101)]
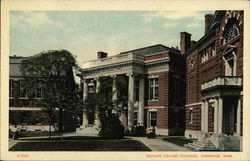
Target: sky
[(84, 33)]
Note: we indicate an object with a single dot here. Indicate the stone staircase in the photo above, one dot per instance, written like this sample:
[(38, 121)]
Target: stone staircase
[(88, 130), (201, 145)]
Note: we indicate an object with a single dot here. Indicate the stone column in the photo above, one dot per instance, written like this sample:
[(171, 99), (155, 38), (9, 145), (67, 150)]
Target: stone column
[(131, 94), (98, 84), (114, 89), (216, 115), (202, 115), (85, 89), (85, 94), (206, 116), (141, 101), (238, 116), (220, 115)]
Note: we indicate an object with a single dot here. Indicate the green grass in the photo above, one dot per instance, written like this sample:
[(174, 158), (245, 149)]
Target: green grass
[(86, 145), (179, 141), (67, 138)]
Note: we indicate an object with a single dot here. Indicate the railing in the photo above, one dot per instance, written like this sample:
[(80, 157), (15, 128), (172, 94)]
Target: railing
[(113, 60), (223, 81)]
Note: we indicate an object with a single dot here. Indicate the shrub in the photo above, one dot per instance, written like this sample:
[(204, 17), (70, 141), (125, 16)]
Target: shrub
[(138, 131), (112, 129), (151, 133)]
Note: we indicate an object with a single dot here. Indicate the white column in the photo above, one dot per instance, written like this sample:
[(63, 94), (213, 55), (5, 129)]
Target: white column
[(131, 94), (141, 101), (216, 115), (85, 94), (97, 120), (202, 115), (114, 89), (98, 84), (206, 116), (220, 115), (85, 89), (238, 116)]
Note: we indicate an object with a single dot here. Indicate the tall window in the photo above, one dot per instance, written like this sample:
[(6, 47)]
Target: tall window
[(39, 93), (213, 50), (231, 31), (153, 95), (135, 118), (22, 89), (191, 117), (153, 120), (11, 89)]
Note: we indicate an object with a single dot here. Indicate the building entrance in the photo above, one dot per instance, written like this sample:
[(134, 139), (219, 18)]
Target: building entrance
[(229, 115)]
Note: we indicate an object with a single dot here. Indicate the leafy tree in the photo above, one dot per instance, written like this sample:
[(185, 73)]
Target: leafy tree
[(53, 72), (107, 109)]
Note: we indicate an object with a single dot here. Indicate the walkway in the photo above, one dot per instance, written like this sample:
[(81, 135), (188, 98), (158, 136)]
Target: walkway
[(160, 145)]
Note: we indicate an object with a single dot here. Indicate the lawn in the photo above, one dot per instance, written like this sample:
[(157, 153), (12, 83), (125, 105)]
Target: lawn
[(81, 145), (178, 140)]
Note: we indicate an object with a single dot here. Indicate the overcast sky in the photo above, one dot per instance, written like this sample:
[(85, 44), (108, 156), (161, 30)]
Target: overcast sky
[(83, 33)]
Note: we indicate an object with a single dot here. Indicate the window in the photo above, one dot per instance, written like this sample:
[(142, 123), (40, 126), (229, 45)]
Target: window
[(22, 89), (23, 117), (213, 50), (135, 118), (191, 63), (153, 95), (204, 56), (91, 89), (39, 92), (191, 116), (231, 32), (137, 90), (153, 119), (11, 89)]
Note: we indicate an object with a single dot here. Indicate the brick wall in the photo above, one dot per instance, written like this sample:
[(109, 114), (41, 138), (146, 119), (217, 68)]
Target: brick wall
[(196, 123)]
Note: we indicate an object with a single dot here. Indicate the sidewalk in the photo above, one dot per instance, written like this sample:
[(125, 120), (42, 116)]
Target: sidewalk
[(159, 144)]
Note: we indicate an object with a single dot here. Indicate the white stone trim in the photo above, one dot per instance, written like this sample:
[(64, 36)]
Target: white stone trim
[(25, 108), (193, 104)]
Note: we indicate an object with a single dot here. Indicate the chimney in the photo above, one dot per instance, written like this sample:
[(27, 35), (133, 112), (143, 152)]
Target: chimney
[(208, 19), (101, 55), (185, 42)]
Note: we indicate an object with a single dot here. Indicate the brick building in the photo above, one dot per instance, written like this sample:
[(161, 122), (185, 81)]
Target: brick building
[(155, 91), (25, 111), (214, 73)]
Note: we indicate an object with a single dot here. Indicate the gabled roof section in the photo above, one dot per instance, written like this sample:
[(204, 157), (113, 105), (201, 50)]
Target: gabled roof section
[(16, 59), (151, 50)]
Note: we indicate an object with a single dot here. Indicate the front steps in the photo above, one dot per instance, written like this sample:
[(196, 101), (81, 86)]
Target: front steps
[(88, 130), (201, 145)]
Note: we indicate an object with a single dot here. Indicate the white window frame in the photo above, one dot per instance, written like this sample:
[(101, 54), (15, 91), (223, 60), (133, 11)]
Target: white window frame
[(23, 88), (153, 86), (11, 88), (36, 97), (191, 117)]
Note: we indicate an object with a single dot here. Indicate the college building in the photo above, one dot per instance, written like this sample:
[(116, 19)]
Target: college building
[(196, 92)]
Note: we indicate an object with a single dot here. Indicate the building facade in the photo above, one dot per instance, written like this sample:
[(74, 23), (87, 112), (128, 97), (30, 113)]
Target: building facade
[(24, 110), (214, 82), (25, 105), (155, 86)]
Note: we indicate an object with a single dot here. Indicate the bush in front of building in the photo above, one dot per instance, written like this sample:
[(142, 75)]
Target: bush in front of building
[(112, 129), (138, 130), (151, 133)]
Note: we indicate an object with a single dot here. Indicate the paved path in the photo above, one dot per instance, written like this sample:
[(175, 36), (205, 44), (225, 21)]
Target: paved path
[(159, 144)]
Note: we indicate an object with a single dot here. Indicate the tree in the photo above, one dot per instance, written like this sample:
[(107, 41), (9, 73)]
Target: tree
[(107, 109), (53, 72)]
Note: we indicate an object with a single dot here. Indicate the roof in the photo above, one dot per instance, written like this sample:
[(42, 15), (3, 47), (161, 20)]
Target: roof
[(151, 50), (16, 59)]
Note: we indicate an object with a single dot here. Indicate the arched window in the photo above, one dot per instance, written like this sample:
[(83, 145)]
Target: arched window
[(231, 31)]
